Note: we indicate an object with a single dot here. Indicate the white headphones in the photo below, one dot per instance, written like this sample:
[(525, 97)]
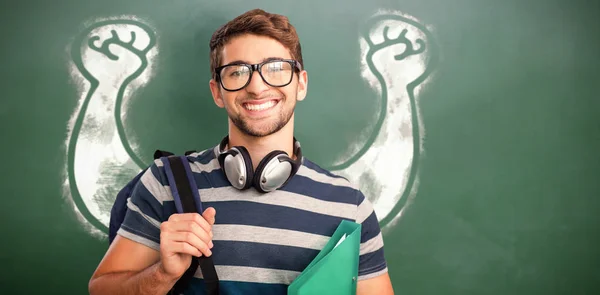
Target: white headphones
[(273, 172)]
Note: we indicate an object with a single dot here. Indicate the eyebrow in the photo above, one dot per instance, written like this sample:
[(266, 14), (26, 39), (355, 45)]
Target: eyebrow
[(237, 62)]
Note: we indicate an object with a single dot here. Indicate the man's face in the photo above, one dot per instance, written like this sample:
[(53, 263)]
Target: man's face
[(258, 109)]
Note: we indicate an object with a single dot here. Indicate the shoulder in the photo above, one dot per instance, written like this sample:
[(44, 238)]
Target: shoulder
[(342, 187), (317, 178), (202, 156), (155, 178), (204, 161), (311, 170)]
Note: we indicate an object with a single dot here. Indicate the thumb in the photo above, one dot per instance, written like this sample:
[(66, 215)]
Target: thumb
[(209, 215)]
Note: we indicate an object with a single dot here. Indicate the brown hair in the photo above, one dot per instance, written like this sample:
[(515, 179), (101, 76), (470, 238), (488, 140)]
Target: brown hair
[(256, 22)]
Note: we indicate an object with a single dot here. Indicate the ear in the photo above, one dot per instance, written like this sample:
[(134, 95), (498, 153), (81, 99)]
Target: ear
[(215, 89), (302, 85)]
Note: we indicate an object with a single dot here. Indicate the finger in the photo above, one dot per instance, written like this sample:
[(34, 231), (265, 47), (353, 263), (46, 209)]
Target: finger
[(182, 217), (182, 248), (189, 238), (209, 215), (188, 227)]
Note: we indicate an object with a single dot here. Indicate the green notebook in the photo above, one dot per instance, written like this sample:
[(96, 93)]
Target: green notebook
[(335, 269)]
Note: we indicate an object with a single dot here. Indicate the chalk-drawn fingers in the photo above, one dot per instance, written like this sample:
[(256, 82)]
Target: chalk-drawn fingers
[(114, 51), (98, 45)]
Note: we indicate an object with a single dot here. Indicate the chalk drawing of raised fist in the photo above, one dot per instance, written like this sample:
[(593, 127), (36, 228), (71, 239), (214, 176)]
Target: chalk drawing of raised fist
[(111, 59), (398, 56)]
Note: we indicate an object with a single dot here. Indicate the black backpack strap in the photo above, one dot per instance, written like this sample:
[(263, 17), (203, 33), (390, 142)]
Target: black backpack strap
[(159, 154), (185, 201)]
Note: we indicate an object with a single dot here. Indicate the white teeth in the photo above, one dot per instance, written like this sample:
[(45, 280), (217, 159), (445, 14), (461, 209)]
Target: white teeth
[(259, 107)]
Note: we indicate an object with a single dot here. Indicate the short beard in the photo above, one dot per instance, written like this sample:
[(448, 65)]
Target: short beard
[(274, 128)]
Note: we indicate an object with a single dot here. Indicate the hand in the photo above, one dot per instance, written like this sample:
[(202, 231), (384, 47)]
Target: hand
[(183, 236), (116, 53), (398, 55)]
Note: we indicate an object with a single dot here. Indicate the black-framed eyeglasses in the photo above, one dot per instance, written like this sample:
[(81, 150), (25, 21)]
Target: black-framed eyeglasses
[(275, 72)]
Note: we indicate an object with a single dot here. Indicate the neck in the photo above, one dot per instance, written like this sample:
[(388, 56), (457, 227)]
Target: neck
[(259, 147)]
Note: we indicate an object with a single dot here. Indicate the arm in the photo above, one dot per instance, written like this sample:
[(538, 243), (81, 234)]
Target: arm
[(130, 268), (150, 253), (373, 277), (380, 285)]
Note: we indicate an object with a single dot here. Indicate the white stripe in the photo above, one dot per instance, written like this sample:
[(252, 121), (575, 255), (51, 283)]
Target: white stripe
[(134, 237), (252, 274), (197, 154), (372, 245), (323, 178), (198, 167), (158, 163), (160, 192), (365, 209), (257, 234), (280, 198), (134, 207)]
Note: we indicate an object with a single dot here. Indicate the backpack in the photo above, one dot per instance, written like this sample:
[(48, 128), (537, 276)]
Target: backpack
[(181, 182)]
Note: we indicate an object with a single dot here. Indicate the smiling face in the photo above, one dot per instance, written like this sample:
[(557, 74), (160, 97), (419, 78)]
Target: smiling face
[(258, 109)]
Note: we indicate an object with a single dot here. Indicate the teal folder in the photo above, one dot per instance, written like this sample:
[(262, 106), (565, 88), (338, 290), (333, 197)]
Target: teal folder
[(335, 269)]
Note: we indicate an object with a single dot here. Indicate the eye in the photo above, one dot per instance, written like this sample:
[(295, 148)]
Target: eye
[(277, 66), (236, 71)]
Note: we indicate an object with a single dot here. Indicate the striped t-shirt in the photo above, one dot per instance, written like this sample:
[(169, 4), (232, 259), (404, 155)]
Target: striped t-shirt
[(262, 242)]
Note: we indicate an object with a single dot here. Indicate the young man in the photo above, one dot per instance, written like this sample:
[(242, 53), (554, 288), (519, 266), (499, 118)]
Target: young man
[(260, 231)]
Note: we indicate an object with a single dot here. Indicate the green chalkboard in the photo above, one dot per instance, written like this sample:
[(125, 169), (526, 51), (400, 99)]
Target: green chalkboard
[(472, 126)]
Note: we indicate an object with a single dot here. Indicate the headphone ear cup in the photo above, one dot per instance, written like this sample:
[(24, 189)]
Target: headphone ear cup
[(248, 164), (272, 172), (237, 167)]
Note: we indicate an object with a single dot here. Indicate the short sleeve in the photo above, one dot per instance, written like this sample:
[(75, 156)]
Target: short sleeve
[(145, 208), (372, 262)]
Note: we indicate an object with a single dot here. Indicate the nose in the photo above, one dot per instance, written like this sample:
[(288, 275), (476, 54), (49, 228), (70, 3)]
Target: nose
[(256, 85)]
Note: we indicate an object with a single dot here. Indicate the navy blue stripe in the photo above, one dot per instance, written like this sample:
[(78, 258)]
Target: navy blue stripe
[(298, 184), (137, 224), (202, 180), (313, 166), (169, 207), (370, 228), (148, 204), (204, 157), (372, 262), (322, 191), (217, 178), (159, 174), (260, 255), (197, 286), (214, 178), (272, 216), (360, 197)]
